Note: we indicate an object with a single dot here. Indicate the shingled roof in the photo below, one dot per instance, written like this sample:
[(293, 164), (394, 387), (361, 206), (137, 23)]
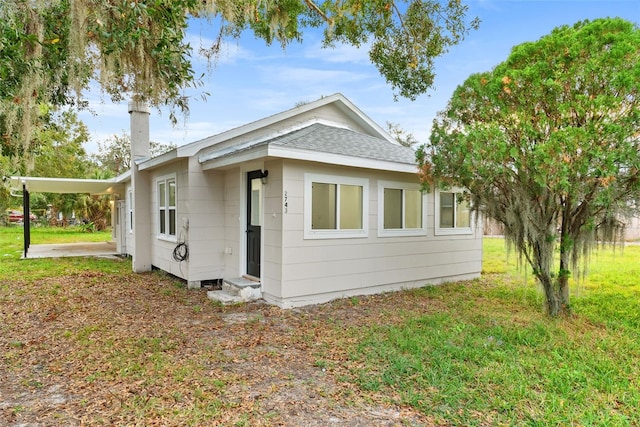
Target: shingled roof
[(335, 140)]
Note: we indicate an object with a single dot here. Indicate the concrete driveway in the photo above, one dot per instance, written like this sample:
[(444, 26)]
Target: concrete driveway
[(100, 249)]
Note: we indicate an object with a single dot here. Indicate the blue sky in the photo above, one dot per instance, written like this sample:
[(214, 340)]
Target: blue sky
[(251, 81)]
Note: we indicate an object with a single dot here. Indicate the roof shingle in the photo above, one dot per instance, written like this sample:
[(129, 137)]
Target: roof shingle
[(335, 140)]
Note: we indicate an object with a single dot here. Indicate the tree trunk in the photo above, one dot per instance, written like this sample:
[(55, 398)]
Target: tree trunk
[(563, 283), (555, 302), (556, 289), (556, 292), (566, 247)]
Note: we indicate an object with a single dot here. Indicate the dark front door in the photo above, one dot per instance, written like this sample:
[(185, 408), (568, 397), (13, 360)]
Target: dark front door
[(254, 221)]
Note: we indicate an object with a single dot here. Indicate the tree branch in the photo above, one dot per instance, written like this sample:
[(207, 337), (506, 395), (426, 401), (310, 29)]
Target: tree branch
[(319, 11)]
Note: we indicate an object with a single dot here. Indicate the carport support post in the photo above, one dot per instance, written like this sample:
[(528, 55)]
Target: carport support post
[(140, 150), (26, 220)]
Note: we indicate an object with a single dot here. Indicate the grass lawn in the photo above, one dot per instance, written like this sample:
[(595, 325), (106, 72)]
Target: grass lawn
[(12, 247), (87, 342)]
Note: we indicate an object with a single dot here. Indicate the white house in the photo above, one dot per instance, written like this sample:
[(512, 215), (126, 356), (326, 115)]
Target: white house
[(308, 205)]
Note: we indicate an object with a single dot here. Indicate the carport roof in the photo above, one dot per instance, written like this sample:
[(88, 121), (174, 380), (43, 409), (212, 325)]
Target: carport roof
[(66, 185)]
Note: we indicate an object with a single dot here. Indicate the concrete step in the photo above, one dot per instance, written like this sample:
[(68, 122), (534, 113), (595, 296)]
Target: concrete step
[(235, 290), (224, 297)]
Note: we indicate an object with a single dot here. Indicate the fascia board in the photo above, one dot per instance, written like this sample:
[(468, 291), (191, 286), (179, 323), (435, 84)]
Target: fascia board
[(154, 162), (338, 159), (244, 156), (66, 185), (307, 155)]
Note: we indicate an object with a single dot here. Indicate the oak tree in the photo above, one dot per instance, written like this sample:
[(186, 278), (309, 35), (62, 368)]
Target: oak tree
[(548, 145), (136, 49)]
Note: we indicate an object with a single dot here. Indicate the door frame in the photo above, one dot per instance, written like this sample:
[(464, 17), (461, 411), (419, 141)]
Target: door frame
[(249, 176)]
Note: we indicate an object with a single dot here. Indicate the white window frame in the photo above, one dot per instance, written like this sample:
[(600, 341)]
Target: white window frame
[(309, 179), (166, 180), (396, 232), (453, 230), (129, 217)]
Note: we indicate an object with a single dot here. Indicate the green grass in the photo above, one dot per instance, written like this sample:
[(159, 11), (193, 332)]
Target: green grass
[(12, 247), (608, 294), (488, 355), (456, 366), (11, 237)]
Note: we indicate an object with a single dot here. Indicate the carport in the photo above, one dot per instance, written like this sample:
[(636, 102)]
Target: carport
[(27, 185)]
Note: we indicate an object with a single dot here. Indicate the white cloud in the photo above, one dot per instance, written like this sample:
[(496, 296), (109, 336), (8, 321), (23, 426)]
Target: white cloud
[(267, 101), (310, 77), (105, 110), (181, 135), (340, 53)]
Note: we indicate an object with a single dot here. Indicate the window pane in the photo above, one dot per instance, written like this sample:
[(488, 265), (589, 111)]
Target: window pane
[(413, 209), (392, 208), (163, 224), (350, 207), (172, 193), (446, 210), (323, 206), (172, 222), (255, 214), (162, 201), (463, 218)]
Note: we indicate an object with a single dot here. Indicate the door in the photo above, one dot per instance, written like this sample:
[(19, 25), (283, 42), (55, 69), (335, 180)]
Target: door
[(254, 222), (121, 226)]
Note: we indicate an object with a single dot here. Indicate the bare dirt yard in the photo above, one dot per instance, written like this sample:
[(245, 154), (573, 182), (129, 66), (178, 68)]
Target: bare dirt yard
[(121, 349)]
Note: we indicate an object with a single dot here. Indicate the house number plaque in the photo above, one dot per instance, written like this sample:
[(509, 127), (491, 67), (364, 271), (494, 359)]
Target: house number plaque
[(286, 202)]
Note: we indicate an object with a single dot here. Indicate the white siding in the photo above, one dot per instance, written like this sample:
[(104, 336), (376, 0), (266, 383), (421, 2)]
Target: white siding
[(316, 270), (129, 237), (199, 223), (204, 211), (274, 200), (162, 250), (232, 222), (211, 218)]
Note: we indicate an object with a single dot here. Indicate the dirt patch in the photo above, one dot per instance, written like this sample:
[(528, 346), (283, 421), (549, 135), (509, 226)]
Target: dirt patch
[(141, 350)]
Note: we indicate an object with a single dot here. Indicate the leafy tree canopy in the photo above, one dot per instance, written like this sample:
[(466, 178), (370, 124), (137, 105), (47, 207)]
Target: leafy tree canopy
[(114, 153), (403, 137), (56, 149), (51, 49), (548, 144), (59, 151)]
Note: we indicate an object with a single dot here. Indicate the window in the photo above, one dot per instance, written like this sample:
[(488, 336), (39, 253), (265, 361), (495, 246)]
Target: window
[(401, 209), (130, 209), (335, 207), (167, 207), (453, 215)]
